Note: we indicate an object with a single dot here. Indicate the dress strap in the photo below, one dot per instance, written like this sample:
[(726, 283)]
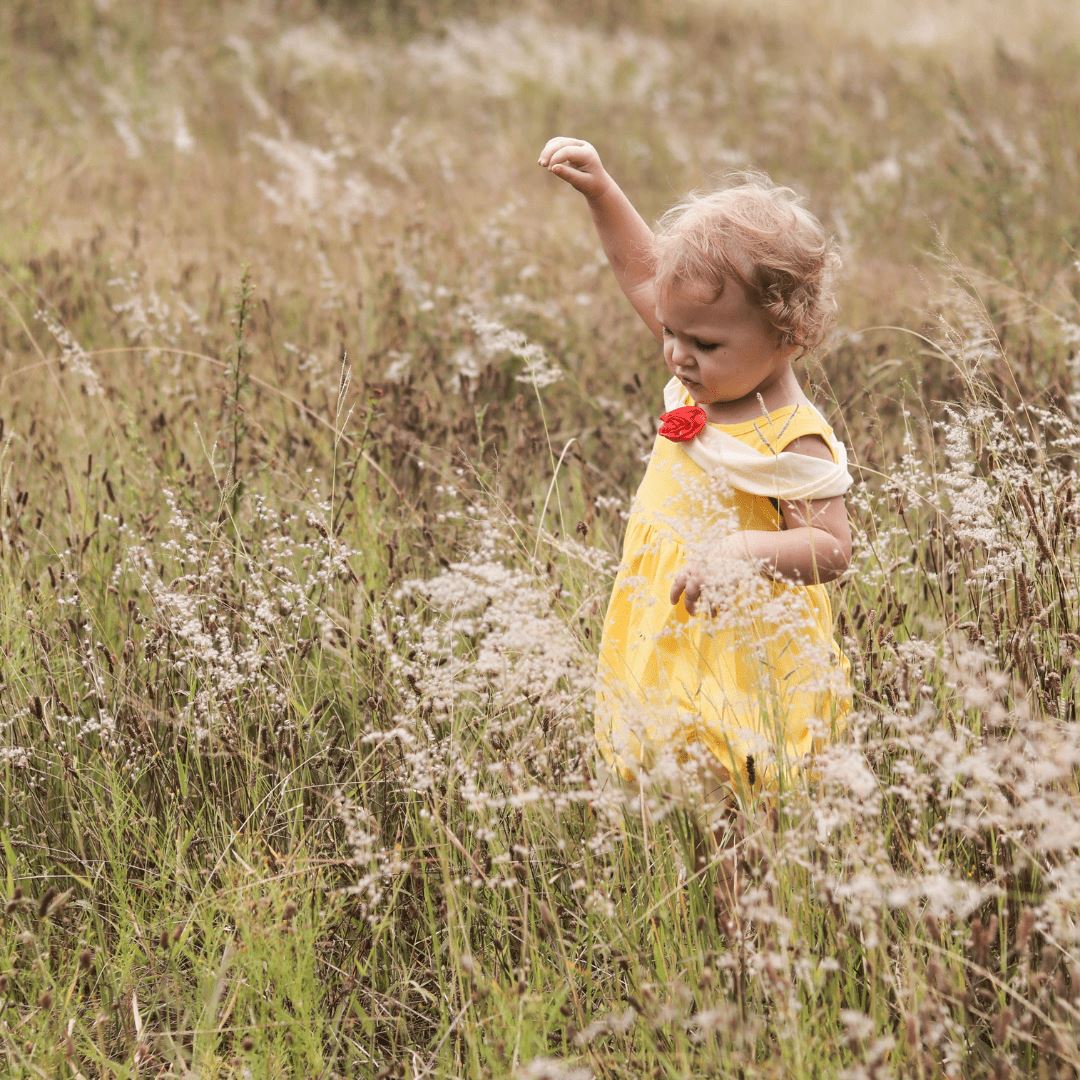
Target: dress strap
[(772, 435)]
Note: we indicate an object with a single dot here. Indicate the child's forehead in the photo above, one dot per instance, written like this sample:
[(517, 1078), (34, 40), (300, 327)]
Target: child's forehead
[(698, 300), (679, 290)]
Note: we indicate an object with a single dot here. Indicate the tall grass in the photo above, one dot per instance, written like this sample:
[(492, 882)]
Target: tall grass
[(303, 570)]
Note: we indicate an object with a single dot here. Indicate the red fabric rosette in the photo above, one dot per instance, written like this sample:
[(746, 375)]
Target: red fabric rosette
[(683, 424)]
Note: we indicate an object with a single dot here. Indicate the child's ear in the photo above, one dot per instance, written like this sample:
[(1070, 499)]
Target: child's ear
[(793, 349), (785, 339)]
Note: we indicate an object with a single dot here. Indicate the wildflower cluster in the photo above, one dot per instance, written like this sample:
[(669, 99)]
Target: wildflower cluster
[(150, 319), (485, 637), (496, 340), (229, 654), (379, 867), (73, 355)]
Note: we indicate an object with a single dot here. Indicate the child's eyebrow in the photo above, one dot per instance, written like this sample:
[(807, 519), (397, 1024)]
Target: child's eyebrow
[(691, 333)]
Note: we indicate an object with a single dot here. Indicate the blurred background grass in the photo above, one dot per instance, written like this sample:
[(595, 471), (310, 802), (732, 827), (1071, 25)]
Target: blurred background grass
[(328, 143)]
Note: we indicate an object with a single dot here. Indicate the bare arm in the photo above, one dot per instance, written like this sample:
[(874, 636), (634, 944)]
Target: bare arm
[(626, 238), (627, 243), (815, 543), (805, 555)]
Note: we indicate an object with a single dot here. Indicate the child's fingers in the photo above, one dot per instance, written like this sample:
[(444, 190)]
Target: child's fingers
[(576, 162), (576, 157), (693, 592), (690, 589), (677, 587), (553, 145), (568, 172), (561, 168)]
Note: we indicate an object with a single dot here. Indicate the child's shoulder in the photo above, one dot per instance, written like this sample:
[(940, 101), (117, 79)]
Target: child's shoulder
[(798, 397), (812, 444), (802, 428)]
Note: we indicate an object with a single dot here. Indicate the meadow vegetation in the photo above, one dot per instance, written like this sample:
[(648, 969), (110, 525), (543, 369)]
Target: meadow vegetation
[(321, 413)]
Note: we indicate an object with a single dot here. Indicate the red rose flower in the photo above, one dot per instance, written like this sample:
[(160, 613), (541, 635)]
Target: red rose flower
[(683, 424)]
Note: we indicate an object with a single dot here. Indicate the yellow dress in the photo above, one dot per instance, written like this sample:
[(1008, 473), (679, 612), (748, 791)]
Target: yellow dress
[(763, 680)]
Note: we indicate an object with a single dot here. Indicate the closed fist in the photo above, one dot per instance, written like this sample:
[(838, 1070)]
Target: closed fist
[(576, 162)]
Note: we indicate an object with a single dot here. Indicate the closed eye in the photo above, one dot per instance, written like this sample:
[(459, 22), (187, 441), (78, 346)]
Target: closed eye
[(705, 346)]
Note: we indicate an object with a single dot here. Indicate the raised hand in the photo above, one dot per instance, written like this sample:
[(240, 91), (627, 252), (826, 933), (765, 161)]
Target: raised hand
[(576, 162)]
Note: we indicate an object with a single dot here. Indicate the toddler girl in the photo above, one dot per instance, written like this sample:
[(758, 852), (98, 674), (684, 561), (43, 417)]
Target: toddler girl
[(717, 651)]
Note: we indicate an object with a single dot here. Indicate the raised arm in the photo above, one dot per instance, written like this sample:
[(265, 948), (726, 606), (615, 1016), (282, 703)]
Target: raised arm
[(626, 238)]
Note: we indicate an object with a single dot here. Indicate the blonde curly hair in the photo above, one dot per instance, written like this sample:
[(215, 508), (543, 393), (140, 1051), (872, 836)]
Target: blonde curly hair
[(760, 234)]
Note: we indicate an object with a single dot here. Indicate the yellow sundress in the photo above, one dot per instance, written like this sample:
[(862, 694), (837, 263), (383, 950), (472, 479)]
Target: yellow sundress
[(766, 679)]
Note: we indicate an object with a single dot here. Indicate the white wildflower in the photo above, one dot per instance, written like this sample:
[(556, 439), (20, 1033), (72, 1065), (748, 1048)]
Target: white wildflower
[(73, 355)]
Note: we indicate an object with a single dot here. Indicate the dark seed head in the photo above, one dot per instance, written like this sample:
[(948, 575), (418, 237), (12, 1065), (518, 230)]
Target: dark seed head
[(47, 897)]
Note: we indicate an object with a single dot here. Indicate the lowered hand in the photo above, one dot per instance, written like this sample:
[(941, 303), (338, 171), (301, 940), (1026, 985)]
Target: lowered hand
[(689, 582)]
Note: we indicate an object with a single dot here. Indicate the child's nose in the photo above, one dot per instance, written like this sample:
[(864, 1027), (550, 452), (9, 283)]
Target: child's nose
[(681, 356)]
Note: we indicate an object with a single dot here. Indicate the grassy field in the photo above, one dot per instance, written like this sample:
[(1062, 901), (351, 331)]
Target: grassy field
[(321, 413)]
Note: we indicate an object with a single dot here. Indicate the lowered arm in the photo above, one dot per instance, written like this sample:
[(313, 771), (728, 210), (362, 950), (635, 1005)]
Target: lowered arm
[(815, 544)]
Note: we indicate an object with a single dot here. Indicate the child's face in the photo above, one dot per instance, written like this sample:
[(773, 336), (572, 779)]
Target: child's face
[(721, 351)]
